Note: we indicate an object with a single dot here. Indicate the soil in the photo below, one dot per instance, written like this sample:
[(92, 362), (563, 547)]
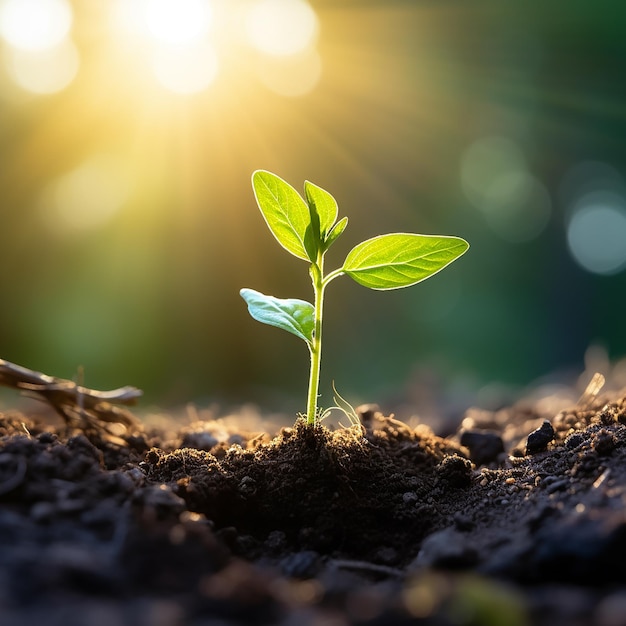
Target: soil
[(516, 517)]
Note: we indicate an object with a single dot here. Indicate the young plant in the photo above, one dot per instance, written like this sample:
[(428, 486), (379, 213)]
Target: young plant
[(307, 227)]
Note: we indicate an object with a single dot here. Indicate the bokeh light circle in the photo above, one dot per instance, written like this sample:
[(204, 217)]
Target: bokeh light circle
[(185, 70), (35, 24), (177, 21), (596, 233), (281, 27), (86, 197), (517, 206), (484, 161), (43, 71), (495, 179), (291, 76)]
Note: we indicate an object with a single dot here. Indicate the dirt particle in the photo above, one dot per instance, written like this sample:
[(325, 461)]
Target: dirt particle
[(276, 541), (138, 443), (447, 548), (46, 437), (484, 446), (557, 485), (539, 439), (603, 442), (200, 440), (247, 486), (587, 464), (463, 522), (456, 471), (609, 414), (304, 564), (409, 497), (386, 555), (574, 440)]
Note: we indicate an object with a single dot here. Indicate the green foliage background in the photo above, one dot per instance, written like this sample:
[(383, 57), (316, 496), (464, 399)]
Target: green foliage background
[(151, 296)]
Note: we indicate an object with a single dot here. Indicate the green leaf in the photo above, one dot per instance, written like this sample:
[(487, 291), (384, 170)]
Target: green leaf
[(323, 204), (294, 316), (401, 259), (323, 213), (313, 237), (335, 231), (285, 212)]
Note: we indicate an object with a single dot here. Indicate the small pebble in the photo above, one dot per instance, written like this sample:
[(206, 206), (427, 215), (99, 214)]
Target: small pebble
[(539, 439)]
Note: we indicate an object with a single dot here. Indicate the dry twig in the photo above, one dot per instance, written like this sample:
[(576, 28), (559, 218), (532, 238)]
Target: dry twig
[(77, 405)]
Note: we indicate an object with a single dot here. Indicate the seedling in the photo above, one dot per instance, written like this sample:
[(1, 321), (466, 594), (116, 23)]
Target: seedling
[(307, 227)]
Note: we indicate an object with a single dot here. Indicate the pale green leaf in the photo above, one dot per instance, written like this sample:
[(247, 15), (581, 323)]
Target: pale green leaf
[(293, 315), (401, 259), (285, 212)]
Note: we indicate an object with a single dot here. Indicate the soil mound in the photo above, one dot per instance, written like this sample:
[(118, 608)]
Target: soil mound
[(518, 517)]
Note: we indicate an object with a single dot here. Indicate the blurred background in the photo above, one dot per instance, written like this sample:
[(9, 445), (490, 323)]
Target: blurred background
[(129, 131)]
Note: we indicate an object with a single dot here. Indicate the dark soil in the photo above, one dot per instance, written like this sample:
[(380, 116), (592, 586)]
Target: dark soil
[(518, 517)]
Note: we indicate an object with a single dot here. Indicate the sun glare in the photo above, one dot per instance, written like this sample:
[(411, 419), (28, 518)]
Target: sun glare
[(177, 21), (185, 70), (183, 44), (43, 71), (35, 24), (281, 27), (291, 76)]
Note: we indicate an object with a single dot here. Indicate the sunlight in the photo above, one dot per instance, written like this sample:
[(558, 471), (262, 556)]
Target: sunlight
[(185, 70), (175, 44), (291, 76), (281, 27), (165, 21), (43, 71), (183, 43), (35, 24), (86, 197), (177, 21)]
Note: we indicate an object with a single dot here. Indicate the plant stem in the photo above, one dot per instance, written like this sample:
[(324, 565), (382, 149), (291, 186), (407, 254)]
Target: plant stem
[(315, 347)]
